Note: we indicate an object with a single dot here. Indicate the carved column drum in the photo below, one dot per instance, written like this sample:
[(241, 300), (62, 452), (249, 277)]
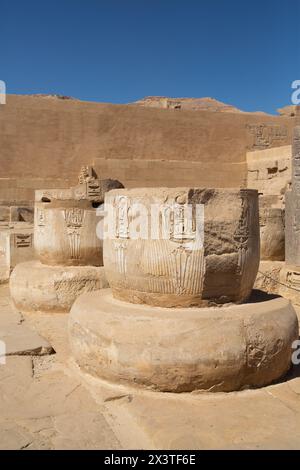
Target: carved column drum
[(65, 230), (183, 246)]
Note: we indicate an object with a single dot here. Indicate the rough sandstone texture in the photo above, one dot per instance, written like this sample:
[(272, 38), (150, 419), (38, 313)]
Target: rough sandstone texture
[(269, 171), (67, 245), (272, 237), (65, 233), (137, 145), (292, 213), (65, 222), (290, 274), (268, 276), (180, 350), (174, 271), (35, 287), (290, 283)]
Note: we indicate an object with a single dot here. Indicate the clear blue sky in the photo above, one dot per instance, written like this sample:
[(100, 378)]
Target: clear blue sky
[(245, 53)]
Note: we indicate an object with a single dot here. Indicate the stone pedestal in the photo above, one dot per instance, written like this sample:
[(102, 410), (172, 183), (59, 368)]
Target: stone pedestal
[(172, 336), (67, 246), (36, 287), (182, 246), (182, 349)]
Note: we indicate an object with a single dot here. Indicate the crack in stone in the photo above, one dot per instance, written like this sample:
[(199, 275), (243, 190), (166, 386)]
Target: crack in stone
[(119, 397)]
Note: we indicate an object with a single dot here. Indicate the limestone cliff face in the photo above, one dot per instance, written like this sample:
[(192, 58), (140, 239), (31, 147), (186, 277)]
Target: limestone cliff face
[(44, 142)]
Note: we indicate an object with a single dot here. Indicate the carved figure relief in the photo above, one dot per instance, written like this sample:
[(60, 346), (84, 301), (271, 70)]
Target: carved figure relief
[(74, 218)]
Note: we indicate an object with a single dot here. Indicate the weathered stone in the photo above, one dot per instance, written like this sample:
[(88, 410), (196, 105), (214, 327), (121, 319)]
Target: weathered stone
[(268, 276), (293, 206), (65, 228), (290, 283), (36, 287), (272, 234), (22, 214), (65, 232), (173, 266), (91, 187), (4, 214), (269, 171), (16, 246), (214, 349)]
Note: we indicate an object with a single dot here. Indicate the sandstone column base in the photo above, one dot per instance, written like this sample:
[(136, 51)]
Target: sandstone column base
[(290, 283), (182, 349), (36, 287)]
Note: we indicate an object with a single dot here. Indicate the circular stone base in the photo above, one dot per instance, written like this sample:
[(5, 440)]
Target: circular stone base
[(36, 287), (181, 350)]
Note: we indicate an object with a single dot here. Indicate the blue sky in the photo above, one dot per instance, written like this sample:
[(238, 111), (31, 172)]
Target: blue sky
[(245, 53)]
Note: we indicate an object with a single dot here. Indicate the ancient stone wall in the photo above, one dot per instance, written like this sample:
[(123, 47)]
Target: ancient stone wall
[(44, 142)]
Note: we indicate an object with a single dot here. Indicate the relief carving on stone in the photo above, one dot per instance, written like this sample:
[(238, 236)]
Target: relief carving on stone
[(23, 240), (74, 218)]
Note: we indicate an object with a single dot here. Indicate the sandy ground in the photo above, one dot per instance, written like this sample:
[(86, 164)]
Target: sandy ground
[(47, 403)]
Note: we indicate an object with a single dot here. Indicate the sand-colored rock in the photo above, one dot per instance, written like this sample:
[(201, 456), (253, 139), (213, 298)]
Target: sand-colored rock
[(272, 234), (36, 287), (268, 276), (290, 283), (269, 171), (45, 141), (65, 233), (195, 104), (66, 220), (46, 403), (174, 266), (215, 349)]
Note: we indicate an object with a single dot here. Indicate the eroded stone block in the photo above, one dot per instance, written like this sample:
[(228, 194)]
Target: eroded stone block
[(169, 268)]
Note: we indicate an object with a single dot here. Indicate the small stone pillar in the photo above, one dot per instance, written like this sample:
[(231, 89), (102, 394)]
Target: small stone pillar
[(68, 248), (290, 273)]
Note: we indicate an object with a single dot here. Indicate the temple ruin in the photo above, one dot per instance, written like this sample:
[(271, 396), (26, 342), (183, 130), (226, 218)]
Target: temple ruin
[(69, 253), (134, 294)]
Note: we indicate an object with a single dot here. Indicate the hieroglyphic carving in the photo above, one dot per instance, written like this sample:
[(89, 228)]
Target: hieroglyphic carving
[(183, 226), (183, 231), (264, 135), (293, 279), (23, 240), (85, 173), (296, 161), (121, 232), (74, 219), (241, 235), (41, 219), (293, 208), (120, 248), (122, 221), (89, 184), (177, 271)]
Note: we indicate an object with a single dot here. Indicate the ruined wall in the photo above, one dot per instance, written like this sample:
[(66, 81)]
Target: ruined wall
[(269, 171), (45, 141)]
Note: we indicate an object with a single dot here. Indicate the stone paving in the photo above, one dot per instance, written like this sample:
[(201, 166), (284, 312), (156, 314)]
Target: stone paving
[(47, 403)]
